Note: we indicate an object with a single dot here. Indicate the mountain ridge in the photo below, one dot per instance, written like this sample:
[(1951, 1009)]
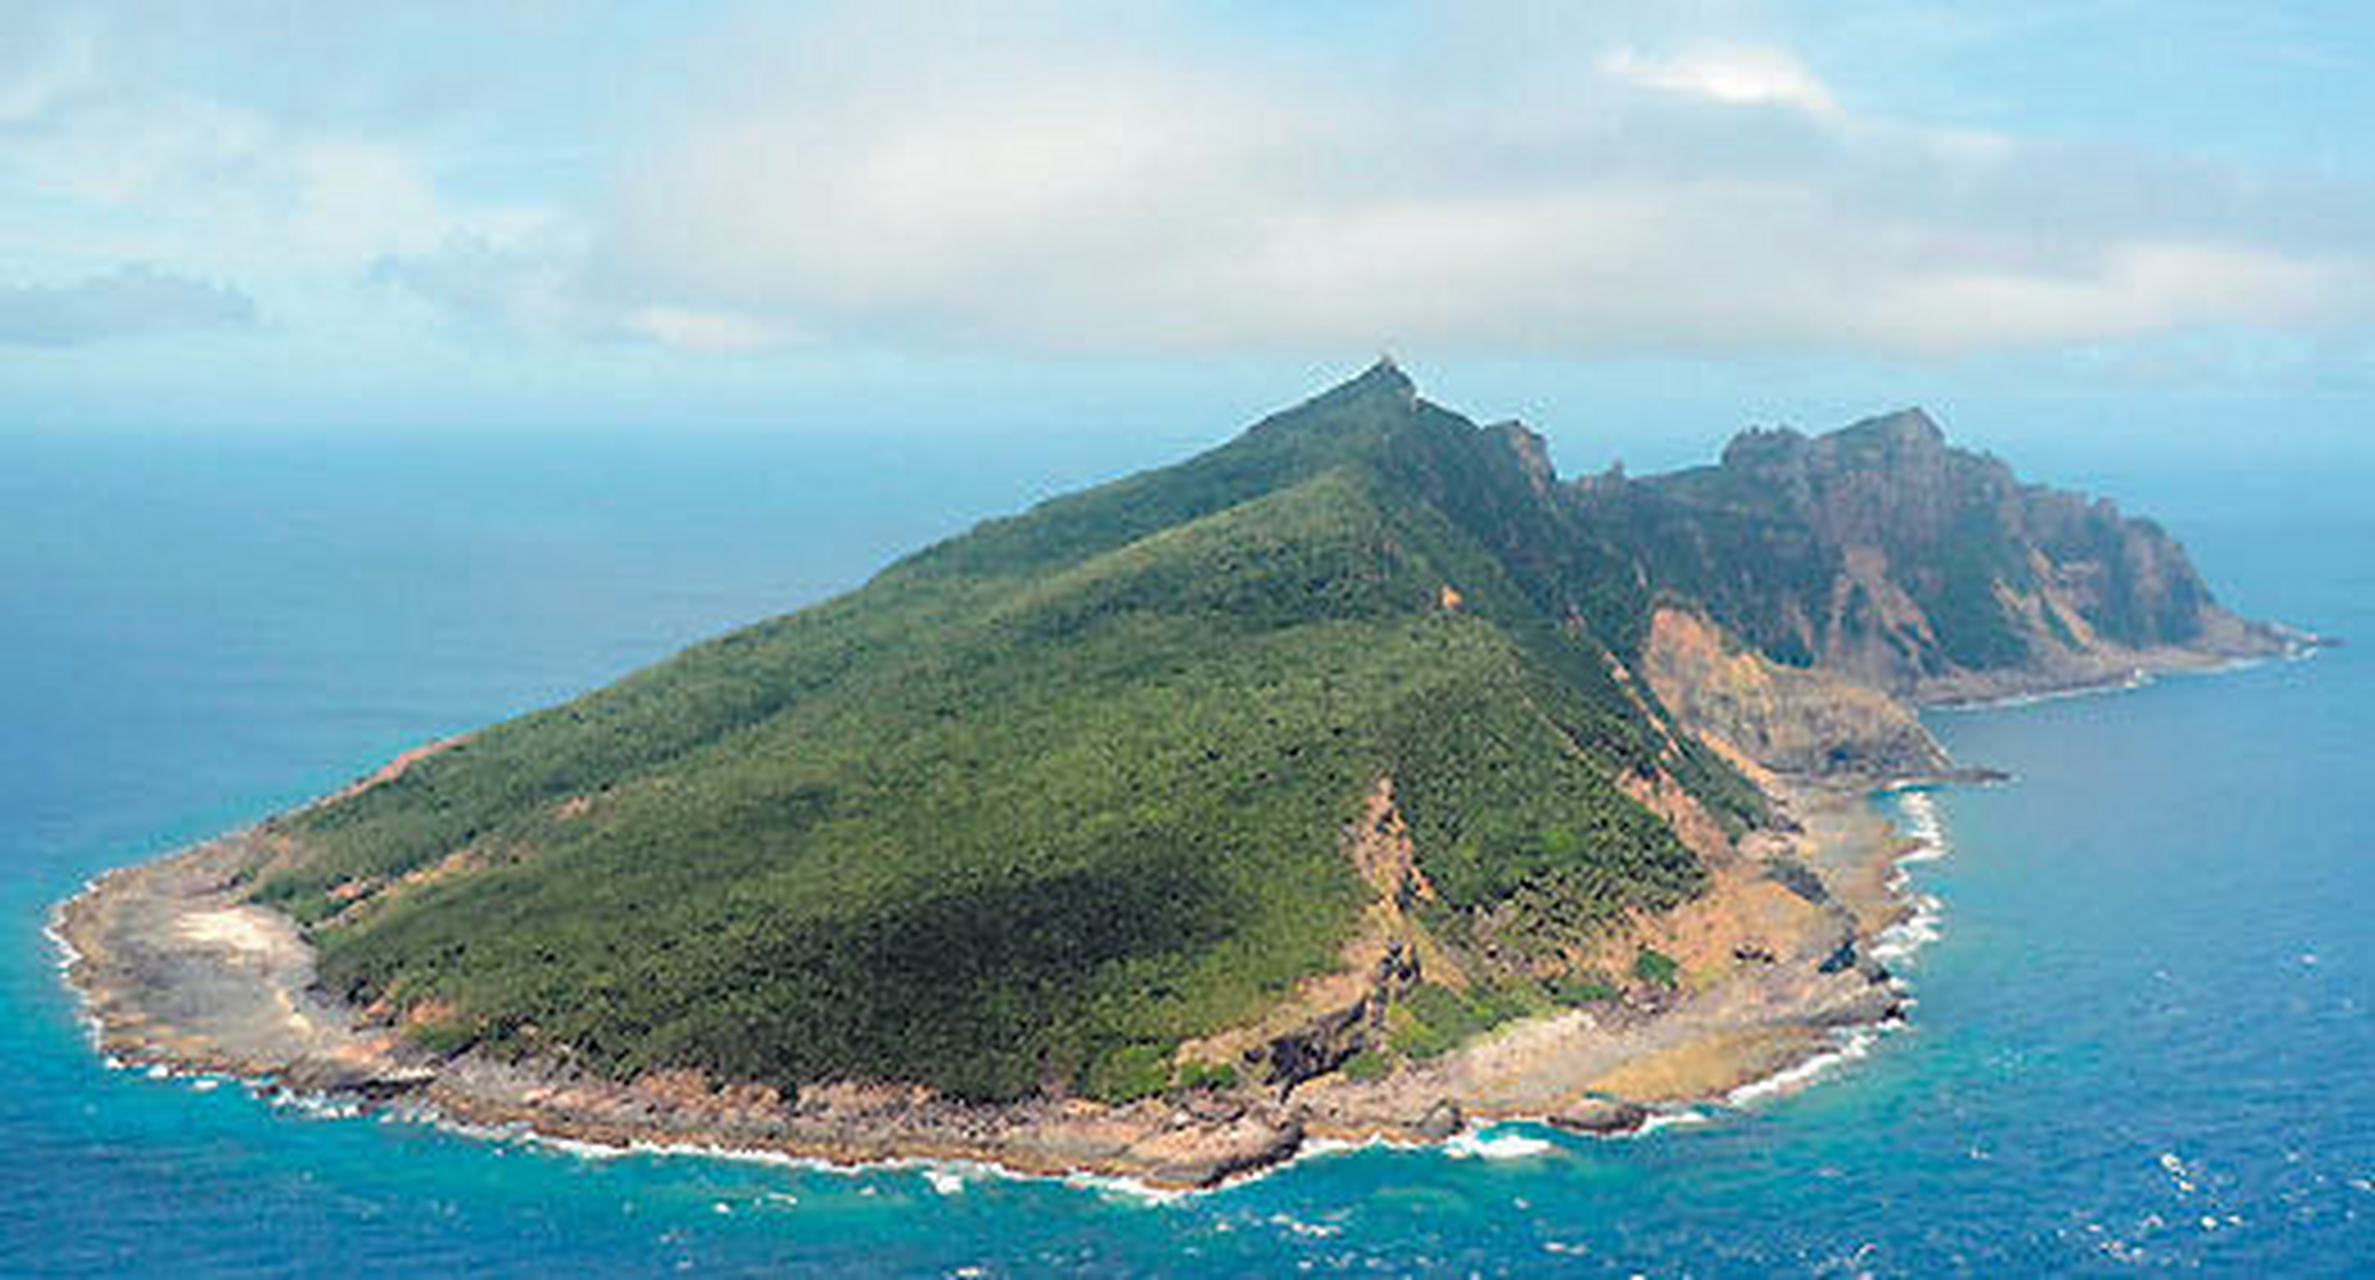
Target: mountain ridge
[(1903, 562), (1285, 788), (1326, 541), (1365, 515)]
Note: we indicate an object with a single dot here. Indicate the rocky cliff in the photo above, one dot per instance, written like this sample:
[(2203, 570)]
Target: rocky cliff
[(1768, 716), (1883, 554), (1356, 777)]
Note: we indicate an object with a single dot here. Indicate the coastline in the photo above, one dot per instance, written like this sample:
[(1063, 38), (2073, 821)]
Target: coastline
[(176, 977), (1863, 853), (2116, 670)]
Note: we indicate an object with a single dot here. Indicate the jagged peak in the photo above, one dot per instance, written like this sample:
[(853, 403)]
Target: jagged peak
[(1912, 424), (1903, 432), (1381, 385), (1385, 376), (1529, 446), (1763, 444)]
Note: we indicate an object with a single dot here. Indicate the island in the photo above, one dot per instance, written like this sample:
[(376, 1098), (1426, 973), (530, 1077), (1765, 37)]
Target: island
[(1359, 779)]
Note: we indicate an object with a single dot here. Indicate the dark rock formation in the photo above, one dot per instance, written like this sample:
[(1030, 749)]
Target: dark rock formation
[(1600, 1116), (1884, 554)]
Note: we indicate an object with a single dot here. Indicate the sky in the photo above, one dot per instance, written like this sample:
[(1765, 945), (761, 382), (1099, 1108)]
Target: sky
[(2073, 230)]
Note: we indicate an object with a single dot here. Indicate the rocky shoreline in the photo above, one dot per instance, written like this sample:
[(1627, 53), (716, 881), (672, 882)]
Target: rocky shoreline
[(2112, 669), (176, 971)]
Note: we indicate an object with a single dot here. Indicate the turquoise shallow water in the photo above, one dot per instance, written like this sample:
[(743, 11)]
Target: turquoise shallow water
[(2142, 1040)]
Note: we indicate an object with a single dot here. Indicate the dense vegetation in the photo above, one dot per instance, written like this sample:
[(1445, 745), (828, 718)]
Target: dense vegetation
[(1042, 801)]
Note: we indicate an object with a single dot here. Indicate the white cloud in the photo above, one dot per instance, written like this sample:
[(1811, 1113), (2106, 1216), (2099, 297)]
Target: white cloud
[(706, 330), (1738, 75), (107, 155), (528, 288), (1019, 180), (1037, 176), (67, 61), (129, 300), (2134, 288)]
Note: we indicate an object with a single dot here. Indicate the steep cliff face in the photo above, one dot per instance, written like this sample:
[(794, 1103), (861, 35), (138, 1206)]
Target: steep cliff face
[(1803, 721), (1883, 554)]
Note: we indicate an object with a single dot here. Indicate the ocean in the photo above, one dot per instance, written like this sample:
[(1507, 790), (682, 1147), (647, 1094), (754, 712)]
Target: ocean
[(2142, 1034)]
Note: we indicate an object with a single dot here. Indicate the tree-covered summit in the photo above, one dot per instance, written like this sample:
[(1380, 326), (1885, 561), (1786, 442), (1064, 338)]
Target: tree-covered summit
[(1048, 799)]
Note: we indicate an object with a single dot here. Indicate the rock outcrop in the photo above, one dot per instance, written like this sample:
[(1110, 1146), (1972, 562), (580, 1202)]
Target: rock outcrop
[(1884, 555), (1787, 719), (1023, 852)]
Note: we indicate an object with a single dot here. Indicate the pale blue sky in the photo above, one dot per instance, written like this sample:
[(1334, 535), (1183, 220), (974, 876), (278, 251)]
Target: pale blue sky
[(2070, 228)]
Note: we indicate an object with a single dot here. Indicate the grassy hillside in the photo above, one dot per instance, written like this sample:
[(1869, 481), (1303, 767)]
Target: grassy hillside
[(1045, 798)]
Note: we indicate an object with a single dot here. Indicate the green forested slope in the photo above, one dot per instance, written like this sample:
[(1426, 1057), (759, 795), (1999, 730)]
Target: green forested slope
[(1058, 793)]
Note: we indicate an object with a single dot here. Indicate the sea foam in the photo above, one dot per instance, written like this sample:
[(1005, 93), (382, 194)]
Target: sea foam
[(1494, 1143), (1851, 1044), (1918, 811), (1917, 815)]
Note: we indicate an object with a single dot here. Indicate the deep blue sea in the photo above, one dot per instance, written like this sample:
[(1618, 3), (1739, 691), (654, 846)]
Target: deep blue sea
[(2143, 1040)]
